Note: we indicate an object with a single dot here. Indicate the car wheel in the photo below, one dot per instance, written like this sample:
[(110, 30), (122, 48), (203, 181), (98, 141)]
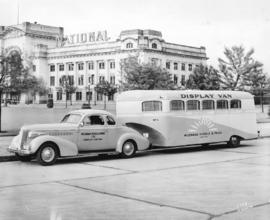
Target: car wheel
[(128, 149), (47, 154), (24, 158), (234, 141)]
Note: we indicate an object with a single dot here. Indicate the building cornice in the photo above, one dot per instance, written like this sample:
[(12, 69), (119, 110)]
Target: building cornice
[(203, 55)]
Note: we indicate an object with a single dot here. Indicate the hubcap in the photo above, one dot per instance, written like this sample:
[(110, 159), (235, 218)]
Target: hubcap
[(128, 148), (234, 140), (47, 154)]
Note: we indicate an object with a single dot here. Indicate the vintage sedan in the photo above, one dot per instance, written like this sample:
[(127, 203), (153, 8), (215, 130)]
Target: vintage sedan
[(79, 133)]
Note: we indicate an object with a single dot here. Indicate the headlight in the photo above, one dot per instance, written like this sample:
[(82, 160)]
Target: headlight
[(33, 134), (146, 135)]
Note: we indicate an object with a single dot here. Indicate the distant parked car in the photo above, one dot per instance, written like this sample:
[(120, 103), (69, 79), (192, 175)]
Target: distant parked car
[(86, 106), (79, 133), (50, 103)]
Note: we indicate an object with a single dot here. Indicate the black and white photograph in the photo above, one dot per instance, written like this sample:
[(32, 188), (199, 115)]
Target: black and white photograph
[(134, 110)]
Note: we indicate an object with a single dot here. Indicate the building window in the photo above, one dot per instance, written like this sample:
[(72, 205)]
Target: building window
[(80, 80), (52, 81), (91, 79), (110, 97), (151, 106), (101, 79), (175, 79), (34, 68), (112, 80), (189, 67), (78, 96), (59, 95), (50, 96), (208, 104), (168, 65), (70, 67), (52, 68), (235, 103), (193, 105), (177, 105), (87, 95), (61, 67), (101, 65), (129, 45), (154, 45), (222, 104), (183, 80), (80, 66), (112, 65), (68, 96), (175, 66), (71, 80), (183, 67), (91, 65), (99, 96)]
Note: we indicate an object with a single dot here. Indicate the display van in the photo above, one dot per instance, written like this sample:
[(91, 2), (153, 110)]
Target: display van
[(189, 117), (79, 133)]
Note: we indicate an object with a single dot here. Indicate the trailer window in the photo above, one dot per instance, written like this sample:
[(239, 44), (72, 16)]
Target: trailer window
[(193, 105), (222, 104), (151, 106), (177, 105), (235, 103), (208, 104)]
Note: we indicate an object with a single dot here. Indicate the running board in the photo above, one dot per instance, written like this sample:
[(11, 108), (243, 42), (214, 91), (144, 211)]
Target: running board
[(94, 154)]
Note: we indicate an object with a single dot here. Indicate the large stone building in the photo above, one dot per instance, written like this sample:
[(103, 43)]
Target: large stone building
[(90, 57)]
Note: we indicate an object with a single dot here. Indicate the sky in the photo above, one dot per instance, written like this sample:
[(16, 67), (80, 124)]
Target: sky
[(215, 24)]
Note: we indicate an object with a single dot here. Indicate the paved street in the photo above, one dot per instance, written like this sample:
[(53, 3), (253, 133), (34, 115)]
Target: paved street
[(214, 183)]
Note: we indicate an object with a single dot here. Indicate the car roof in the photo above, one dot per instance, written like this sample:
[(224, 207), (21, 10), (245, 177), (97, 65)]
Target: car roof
[(90, 111), (142, 95)]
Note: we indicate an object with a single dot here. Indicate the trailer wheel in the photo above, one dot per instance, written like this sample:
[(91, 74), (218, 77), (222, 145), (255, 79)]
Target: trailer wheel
[(128, 149), (47, 154), (25, 158), (234, 141)]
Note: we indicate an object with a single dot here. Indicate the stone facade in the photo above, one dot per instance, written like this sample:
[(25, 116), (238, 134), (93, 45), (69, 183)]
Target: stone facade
[(91, 57)]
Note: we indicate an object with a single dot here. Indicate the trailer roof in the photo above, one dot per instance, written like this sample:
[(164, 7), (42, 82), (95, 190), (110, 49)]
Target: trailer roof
[(141, 95)]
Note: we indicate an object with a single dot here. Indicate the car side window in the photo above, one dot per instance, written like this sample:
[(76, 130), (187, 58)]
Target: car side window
[(93, 120), (110, 120)]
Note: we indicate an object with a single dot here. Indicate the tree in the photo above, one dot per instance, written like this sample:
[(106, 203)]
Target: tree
[(240, 70), (204, 78), (144, 76), (14, 77), (107, 89), (67, 86)]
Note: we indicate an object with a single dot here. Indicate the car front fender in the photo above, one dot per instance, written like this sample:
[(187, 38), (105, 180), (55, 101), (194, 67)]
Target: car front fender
[(66, 147), (141, 142)]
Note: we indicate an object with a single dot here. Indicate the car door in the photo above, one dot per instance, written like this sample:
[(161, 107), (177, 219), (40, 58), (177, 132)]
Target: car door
[(113, 131), (93, 134)]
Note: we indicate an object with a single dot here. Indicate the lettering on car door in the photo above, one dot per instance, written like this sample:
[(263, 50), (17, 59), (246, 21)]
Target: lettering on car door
[(93, 134)]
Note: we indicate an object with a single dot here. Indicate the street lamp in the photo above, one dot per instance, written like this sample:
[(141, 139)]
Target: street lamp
[(262, 87), (88, 86)]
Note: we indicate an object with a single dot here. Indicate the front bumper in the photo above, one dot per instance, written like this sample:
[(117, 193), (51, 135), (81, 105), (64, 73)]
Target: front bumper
[(19, 151), (15, 147)]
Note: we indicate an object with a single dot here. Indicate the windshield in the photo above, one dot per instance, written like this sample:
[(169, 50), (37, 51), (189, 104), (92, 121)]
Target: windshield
[(71, 118)]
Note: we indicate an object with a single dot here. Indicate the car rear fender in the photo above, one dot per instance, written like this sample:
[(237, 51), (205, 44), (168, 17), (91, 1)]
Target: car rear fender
[(141, 142), (66, 147)]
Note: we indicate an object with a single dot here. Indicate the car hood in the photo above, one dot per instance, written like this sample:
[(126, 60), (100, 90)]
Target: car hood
[(50, 127)]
